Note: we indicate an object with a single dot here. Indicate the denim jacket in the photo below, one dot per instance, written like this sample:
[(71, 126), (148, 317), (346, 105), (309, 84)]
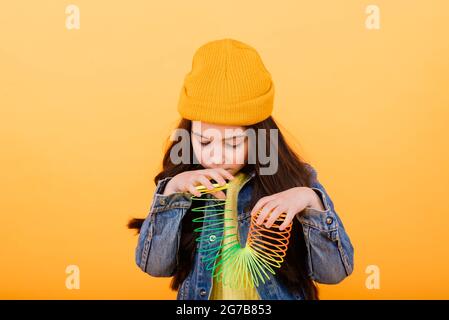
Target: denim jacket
[(330, 252)]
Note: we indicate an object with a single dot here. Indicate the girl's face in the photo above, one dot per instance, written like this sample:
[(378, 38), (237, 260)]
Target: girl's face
[(219, 146)]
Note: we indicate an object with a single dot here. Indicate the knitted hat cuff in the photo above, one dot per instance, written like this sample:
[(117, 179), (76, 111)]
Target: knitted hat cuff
[(241, 113)]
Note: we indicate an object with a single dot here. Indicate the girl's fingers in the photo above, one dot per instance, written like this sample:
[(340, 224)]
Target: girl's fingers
[(262, 201), (191, 188), (204, 181), (217, 177), (219, 195), (225, 173), (288, 219), (266, 211), (274, 215)]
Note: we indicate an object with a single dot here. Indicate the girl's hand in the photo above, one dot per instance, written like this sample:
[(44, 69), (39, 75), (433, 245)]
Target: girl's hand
[(290, 201), (188, 180)]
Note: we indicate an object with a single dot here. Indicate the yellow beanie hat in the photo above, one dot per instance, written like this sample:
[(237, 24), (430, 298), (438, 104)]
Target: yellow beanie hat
[(228, 84)]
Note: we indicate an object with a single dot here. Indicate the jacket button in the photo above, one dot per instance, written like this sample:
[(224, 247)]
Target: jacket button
[(162, 201), (203, 292), (212, 238), (329, 220)]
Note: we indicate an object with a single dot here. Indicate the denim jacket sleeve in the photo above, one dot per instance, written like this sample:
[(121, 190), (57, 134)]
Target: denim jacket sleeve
[(157, 247), (330, 252)]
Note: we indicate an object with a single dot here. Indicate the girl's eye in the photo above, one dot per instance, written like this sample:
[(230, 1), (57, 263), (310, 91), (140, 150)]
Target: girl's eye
[(204, 143), (233, 145)]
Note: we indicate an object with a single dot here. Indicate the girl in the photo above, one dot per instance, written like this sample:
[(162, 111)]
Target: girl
[(228, 93)]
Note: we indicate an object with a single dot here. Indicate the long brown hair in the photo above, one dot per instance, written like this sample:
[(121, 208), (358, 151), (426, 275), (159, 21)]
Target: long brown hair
[(291, 172)]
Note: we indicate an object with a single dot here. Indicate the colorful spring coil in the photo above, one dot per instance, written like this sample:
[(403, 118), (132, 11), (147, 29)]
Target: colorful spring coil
[(238, 267)]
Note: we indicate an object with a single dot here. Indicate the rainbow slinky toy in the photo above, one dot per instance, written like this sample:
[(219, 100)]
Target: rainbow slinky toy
[(238, 267)]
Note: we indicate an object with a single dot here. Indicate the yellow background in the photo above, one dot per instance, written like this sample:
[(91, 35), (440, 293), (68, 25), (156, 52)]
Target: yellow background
[(85, 113)]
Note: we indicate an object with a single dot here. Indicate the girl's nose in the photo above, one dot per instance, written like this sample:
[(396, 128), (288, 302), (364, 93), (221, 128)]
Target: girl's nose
[(217, 157)]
